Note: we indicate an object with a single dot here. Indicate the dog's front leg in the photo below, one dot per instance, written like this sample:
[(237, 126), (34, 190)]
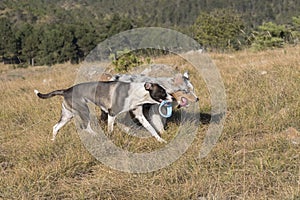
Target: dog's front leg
[(156, 120), (148, 126), (110, 123)]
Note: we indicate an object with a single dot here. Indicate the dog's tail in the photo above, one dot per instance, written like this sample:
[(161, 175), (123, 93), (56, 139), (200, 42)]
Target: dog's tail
[(49, 95)]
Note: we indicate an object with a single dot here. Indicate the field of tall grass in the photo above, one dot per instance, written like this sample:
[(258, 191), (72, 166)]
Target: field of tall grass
[(256, 157)]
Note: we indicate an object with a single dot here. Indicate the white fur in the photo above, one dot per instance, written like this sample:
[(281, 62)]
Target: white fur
[(66, 116), (36, 92)]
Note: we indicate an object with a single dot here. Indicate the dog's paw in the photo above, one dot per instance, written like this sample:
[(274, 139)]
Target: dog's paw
[(161, 140), (110, 129)]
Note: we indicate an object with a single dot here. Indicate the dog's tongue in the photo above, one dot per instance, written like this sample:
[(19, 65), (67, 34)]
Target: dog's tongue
[(183, 102)]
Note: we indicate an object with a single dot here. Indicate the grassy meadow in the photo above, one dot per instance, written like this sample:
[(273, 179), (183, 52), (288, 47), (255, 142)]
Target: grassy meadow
[(256, 157)]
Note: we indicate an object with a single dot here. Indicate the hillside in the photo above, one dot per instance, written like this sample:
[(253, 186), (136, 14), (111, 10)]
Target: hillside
[(256, 157), (175, 13), (45, 32)]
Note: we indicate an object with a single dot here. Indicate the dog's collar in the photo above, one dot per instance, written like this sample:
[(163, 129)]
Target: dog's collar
[(167, 104)]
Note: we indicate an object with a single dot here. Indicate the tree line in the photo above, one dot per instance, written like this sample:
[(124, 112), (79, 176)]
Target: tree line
[(47, 44), (225, 29), (47, 32)]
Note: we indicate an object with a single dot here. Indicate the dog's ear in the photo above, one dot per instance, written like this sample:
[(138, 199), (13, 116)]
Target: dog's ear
[(186, 75), (105, 77), (148, 86)]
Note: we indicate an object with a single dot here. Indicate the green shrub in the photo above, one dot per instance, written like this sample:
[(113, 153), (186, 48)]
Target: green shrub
[(296, 29), (126, 60), (270, 35), (219, 30)]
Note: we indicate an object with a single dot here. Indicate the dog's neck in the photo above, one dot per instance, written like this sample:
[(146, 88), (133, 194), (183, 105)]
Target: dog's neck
[(140, 95)]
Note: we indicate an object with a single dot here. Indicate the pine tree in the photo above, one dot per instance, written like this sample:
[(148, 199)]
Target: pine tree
[(28, 43), (270, 35), (221, 29), (296, 29), (8, 47)]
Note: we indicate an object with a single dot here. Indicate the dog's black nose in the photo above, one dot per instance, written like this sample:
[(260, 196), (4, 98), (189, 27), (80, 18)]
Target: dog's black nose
[(197, 99)]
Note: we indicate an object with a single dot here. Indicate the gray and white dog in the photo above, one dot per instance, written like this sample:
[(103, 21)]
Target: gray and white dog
[(114, 97), (179, 87)]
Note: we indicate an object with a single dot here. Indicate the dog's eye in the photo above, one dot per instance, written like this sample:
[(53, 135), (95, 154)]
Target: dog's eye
[(186, 91)]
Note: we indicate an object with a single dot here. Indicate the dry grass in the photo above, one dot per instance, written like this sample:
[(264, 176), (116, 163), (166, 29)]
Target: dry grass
[(256, 157)]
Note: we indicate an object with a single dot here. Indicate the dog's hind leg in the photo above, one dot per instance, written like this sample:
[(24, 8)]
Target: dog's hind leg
[(84, 114), (66, 116)]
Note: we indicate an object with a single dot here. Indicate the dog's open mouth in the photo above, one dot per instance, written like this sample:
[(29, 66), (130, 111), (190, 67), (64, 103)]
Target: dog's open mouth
[(183, 102)]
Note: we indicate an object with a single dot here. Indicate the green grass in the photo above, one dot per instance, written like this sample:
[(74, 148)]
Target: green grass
[(256, 156)]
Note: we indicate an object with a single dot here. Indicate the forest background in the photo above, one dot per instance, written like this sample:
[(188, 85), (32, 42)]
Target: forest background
[(41, 32)]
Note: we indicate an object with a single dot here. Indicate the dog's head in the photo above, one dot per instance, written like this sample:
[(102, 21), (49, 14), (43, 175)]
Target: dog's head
[(157, 92), (186, 93)]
